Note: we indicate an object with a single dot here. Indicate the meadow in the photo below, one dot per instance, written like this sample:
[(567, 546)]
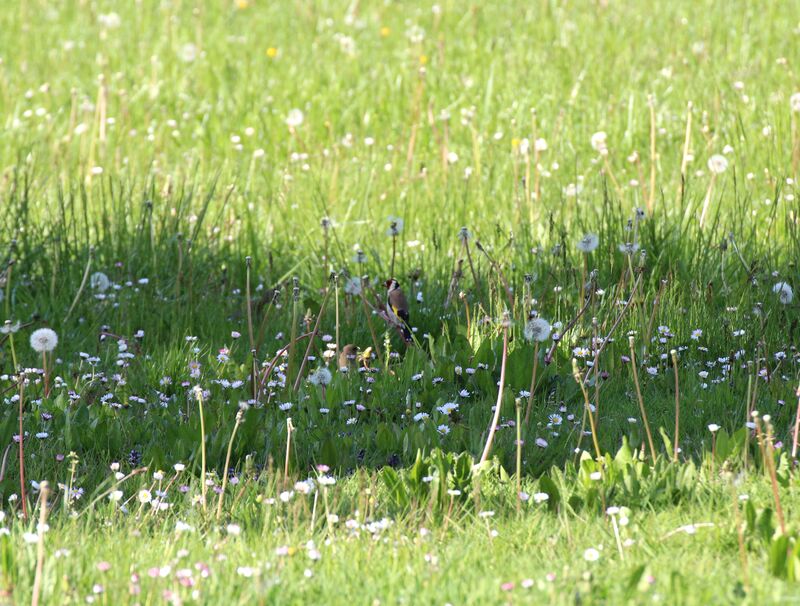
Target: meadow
[(591, 208)]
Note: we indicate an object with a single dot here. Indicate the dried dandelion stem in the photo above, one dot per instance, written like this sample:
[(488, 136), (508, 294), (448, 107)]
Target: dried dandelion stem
[(198, 393), (576, 373), (238, 422), (640, 399), (674, 355), (37, 581)]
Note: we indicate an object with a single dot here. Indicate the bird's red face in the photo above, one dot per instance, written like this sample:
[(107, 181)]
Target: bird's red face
[(388, 283)]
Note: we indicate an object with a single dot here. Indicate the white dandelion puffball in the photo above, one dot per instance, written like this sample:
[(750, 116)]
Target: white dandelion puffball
[(537, 329), (353, 287), (109, 21), (784, 292), (188, 52), (294, 118), (99, 281), (794, 102), (395, 227), (588, 243), (717, 164), (599, 141), (322, 376), (44, 340)]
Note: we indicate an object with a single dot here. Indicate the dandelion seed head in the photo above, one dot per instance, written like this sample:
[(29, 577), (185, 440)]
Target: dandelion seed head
[(44, 340)]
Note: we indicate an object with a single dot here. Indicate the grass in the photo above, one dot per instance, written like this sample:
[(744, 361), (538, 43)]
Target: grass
[(191, 194)]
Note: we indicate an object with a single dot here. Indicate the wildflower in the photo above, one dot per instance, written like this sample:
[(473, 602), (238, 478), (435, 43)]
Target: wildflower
[(145, 496), (713, 428), (541, 442), (463, 234), (188, 52), (599, 142), (591, 555), (44, 340), (537, 329), (9, 327), (395, 227), (322, 376), (540, 497), (99, 281), (794, 102), (294, 118), (443, 429), (183, 527), (110, 20), (717, 164), (588, 243), (628, 248), (353, 287), (784, 292), (696, 334)]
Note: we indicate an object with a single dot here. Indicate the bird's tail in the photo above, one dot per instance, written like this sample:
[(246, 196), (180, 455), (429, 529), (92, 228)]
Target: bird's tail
[(406, 333)]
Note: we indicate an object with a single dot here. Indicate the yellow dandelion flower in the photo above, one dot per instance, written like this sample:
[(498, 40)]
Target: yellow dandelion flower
[(515, 143), (385, 31), (423, 59), (241, 4), (272, 52)]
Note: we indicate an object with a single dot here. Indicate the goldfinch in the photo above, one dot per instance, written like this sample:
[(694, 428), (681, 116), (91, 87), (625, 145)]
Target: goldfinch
[(397, 307), (348, 357)]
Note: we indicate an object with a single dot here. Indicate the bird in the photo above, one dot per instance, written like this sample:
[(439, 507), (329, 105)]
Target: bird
[(348, 357), (397, 307)]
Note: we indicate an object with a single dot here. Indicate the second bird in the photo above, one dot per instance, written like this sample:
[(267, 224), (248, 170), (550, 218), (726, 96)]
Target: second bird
[(397, 307)]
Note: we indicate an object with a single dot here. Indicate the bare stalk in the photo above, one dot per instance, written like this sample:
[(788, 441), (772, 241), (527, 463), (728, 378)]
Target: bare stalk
[(37, 581), (576, 373), (674, 355), (496, 418), (641, 400), (238, 422)]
